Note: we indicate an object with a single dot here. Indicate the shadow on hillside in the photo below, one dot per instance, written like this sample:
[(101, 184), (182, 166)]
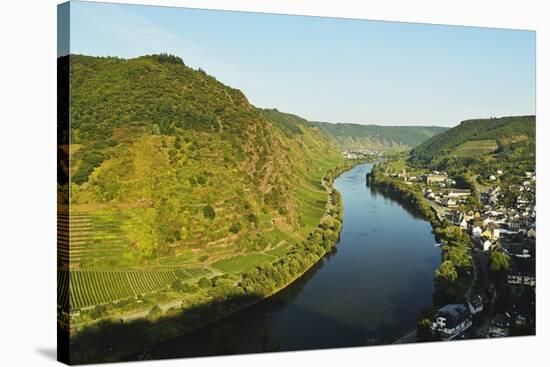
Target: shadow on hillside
[(112, 341)]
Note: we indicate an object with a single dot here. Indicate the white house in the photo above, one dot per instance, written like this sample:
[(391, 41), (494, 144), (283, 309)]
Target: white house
[(521, 276), (475, 304), (476, 232)]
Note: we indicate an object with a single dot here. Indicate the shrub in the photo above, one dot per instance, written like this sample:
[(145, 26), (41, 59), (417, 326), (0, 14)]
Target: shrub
[(204, 283), (209, 212), (155, 312), (98, 311), (89, 162), (235, 228)]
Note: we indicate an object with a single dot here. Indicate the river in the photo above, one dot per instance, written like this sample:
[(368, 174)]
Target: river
[(369, 290)]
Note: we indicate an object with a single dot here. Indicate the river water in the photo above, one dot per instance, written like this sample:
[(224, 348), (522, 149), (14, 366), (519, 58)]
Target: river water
[(368, 291)]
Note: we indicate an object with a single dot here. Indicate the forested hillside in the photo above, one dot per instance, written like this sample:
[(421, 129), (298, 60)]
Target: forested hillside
[(178, 161), (186, 203), (481, 141), (355, 136), (179, 186)]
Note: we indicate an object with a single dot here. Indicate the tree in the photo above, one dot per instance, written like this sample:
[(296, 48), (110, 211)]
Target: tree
[(98, 311), (252, 218), (499, 261), (90, 161), (209, 212), (155, 312), (181, 286), (458, 255), (446, 272), (167, 58), (235, 228), (177, 285), (204, 283)]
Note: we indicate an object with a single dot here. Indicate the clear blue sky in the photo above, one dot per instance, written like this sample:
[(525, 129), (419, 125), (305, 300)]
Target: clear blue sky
[(327, 69)]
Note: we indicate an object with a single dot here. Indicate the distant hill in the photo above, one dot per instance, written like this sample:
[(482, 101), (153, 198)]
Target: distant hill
[(356, 136), (288, 123), (512, 136)]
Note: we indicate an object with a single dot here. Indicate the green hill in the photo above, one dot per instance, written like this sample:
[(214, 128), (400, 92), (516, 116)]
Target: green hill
[(356, 136), (479, 140), (175, 174)]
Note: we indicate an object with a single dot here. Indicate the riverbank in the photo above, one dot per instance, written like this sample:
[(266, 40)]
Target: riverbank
[(455, 248), (224, 298), (405, 194), (337, 303)]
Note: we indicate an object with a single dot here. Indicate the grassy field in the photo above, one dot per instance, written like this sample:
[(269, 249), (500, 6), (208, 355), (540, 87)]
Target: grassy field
[(280, 251), (312, 196), (238, 264), (475, 147), (399, 165)]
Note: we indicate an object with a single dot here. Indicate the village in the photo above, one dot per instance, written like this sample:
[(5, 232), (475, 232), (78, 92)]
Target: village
[(362, 153), (495, 224)]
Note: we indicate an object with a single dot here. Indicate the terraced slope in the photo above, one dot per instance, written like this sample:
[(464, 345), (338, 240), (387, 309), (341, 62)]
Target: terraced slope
[(92, 238), (478, 137), (474, 148), (173, 172)]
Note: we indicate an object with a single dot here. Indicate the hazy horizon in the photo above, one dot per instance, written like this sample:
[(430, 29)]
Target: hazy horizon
[(329, 69)]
